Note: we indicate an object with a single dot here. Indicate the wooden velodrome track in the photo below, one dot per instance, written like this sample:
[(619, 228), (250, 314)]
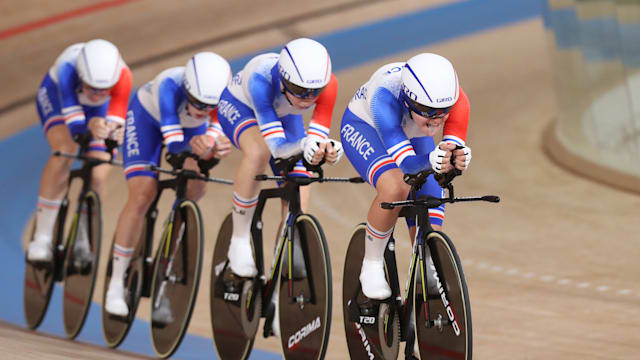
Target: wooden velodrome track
[(552, 270)]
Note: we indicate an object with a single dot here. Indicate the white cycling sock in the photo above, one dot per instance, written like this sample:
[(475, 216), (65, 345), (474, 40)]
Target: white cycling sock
[(376, 242), (242, 215), (121, 259), (46, 218)]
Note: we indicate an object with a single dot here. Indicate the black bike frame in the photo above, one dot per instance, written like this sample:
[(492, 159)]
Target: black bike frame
[(179, 185), (291, 193)]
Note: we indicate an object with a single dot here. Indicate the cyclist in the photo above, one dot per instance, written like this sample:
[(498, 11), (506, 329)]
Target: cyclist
[(88, 86), (388, 134), (177, 108), (261, 112)]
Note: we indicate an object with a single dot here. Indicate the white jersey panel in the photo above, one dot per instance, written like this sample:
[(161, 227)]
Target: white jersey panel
[(150, 97), (262, 65), (388, 77)]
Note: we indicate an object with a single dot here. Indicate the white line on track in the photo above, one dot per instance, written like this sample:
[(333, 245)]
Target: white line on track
[(470, 263)]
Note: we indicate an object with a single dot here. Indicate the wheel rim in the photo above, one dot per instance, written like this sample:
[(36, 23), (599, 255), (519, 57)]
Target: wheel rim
[(304, 331), (181, 291)]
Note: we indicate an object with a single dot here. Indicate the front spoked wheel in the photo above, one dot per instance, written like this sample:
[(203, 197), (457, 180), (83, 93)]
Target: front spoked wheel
[(40, 277), (176, 276), (235, 303), (372, 328), (442, 310), (81, 263), (304, 297)]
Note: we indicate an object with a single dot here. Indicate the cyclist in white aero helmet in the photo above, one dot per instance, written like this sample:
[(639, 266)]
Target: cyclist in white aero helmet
[(176, 109), (99, 64), (304, 67), (86, 89), (388, 134), (261, 112)]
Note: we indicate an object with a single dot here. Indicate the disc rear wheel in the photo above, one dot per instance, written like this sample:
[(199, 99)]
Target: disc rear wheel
[(372, 328), (115, 328), (235, 303)]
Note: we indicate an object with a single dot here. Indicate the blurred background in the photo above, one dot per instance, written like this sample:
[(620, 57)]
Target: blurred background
[(594, 48)]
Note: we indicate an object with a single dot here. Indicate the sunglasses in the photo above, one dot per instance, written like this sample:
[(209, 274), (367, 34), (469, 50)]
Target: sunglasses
[(198, 104), (95, 91), (299, 91), (427, 111)]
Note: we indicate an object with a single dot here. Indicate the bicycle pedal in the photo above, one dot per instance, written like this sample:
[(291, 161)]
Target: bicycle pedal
[(267, 330)]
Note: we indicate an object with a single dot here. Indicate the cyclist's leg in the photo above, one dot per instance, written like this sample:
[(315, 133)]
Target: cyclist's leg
[(55, 176), (239, 125), (142, 146), (367, 153)]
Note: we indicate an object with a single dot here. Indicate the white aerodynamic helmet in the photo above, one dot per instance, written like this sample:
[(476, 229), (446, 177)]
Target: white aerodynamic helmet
[(99, 64), (205, 77), (429, 84), (305, 67)]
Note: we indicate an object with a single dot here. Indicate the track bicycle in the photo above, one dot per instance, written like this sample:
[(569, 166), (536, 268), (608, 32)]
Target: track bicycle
[(76, 268), (170, 278), (435, 309), (299, 281)]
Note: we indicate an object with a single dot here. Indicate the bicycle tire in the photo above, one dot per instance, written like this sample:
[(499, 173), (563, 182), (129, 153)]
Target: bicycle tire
[(370, 337), (166, 337), (306, 326), (116, 328), (79, 283), (235, 307), (448, 303), (39, 280)]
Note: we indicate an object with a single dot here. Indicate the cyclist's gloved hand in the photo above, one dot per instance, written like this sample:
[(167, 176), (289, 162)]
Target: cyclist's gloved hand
[(334, 151), (98, 127), (461, 157), (310, 145), (440, 157), (415, 179), (116, 131)]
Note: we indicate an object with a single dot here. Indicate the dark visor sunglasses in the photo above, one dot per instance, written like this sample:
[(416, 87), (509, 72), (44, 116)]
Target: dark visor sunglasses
[(299, 91), (198, 104), (426, 111), (96, 91)]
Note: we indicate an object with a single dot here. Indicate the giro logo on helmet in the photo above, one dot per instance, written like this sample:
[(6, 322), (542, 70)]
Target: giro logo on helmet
[(410, 94)]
